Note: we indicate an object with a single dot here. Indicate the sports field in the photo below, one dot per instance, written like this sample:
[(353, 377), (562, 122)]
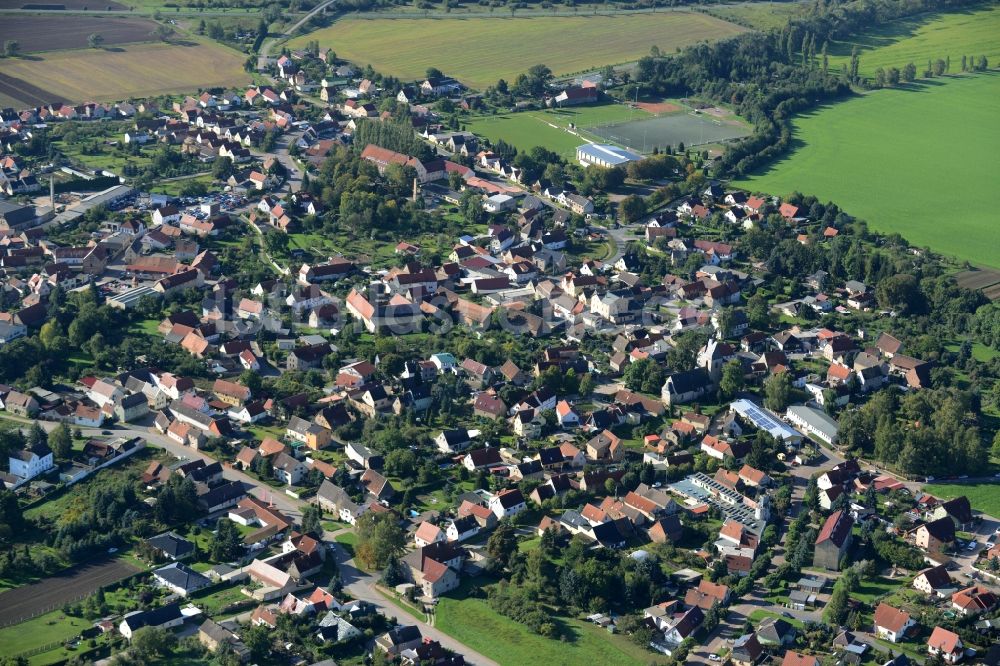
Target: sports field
[(917, 40), (562, 130), (671, 130), (130, 71), (917, 161), (550, 129), (480, 51)]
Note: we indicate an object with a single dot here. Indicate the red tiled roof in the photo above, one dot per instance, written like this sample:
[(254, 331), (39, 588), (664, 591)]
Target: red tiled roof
[(836, 528), (892, 619)]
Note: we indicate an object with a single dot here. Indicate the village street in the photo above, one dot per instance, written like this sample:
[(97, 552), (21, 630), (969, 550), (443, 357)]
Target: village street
[(357, 583)]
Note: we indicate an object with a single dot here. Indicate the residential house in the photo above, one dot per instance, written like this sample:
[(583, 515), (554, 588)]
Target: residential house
[(891, 624), (945, 644), (833, 540), (974, 600), (164, 617), (180, 579), (27, 463), (935, 536), (958, 510), (312, 435), (288, 470), (605, 447), (435, 568), (934, 581), (507, 503)]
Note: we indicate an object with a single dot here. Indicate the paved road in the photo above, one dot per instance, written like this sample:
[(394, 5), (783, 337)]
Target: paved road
[(357, 583), (361, 585), (286, 504), (265, 49)]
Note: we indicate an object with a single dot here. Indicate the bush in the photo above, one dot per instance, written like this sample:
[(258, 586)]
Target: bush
[(515, 604)]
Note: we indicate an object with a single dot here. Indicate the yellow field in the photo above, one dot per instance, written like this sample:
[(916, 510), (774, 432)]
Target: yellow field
[(129, 71), (479, 51)]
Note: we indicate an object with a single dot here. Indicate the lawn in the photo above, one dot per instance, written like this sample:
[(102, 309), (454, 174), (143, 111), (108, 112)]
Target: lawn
[(870, 590), (469, 49), (980, 352), (43, 630), (474, 623), (923, 38), (984, 497), (348, 540), (145, 327), (129, 71), (909, 161), (758, 615), (174, 187)]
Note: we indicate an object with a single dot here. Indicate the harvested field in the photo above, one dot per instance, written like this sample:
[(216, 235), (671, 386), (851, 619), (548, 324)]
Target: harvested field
[(15, 92), (469, 50), (61, 4), (72, 584), (978, 279), (52, 33), (135, 70)]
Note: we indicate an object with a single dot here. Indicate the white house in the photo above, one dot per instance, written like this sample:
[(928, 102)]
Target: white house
[(165, 617), (30, 462), (508, 502), (891, 623)]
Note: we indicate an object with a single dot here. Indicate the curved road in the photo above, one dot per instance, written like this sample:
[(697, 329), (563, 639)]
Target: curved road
[(358, 583), (265, 49), (361, 585)]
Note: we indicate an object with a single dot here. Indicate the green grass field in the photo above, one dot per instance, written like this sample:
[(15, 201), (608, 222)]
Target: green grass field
[(983, 497), (527, 129), (759, 15), (923, 38), (915, 161), (474, 623), (480, 51), (45, 629)]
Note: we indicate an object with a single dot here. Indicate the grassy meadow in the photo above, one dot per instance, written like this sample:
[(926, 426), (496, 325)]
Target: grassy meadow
[(759, 15), (474, 623), (923, 38), (914, 160), (129, 71), (479, 51)]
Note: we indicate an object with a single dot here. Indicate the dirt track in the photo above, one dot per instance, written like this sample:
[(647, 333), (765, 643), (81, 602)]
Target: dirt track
[(72, 584)]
